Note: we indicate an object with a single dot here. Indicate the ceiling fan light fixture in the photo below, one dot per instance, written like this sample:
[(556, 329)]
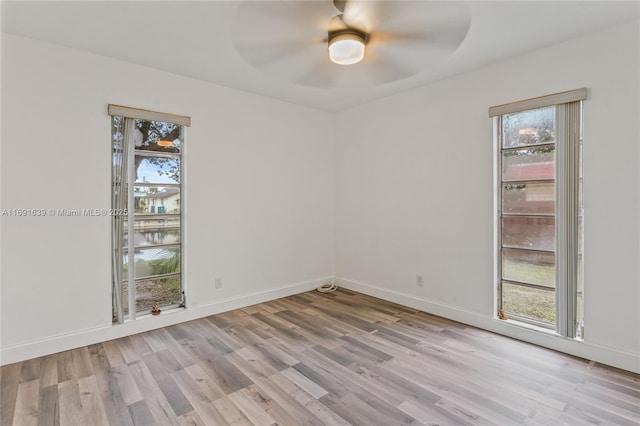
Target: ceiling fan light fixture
[(165, 143), (346, 47)]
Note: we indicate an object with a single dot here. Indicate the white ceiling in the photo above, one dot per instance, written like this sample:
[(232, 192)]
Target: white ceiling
[(200, 39)]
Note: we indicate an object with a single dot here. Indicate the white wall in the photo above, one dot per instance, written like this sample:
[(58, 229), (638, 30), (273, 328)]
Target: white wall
[(414, 191), (259, 201)]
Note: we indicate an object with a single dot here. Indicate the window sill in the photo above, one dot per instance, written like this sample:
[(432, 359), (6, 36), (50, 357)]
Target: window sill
[(532, 327), (166, 311)]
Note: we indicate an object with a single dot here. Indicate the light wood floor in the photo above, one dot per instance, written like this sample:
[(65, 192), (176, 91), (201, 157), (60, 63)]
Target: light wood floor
[(312, 359)]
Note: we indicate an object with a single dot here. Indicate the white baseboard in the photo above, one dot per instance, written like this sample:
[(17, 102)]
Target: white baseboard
[(78, 338), (89, 336), (610, 356)]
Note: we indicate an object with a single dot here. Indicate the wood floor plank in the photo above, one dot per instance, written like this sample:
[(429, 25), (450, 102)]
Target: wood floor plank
[(9, 381), (463, 414), (286, 331), (65, 367), (30, 370), (127, 385), (155, 340), (209, 387), (157, 403), (141, 414), (244, 400), (127, 350), (429, 415), (305, 383), (310, 403), (200, 396), (48, 409), (222, 340), (26, 411), (115, 408), (400, 388), (317, 358), (176, 349), (71, 413), (139, 345), (160, 372), (192, 418), (231, 412), (288, 403), (218, 368), (270, 406), (315, 325), (49, 371), (91, 402), (251, 365), (359, 412)]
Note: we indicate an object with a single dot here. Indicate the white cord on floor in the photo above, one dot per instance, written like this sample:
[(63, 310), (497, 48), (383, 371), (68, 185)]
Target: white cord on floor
[(327, 287)]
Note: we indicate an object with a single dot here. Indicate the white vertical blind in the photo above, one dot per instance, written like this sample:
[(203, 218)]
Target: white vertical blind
[(567, 176), (129, 131)]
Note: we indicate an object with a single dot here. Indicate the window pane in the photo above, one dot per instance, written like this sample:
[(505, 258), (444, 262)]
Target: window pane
[(154, 261), (528, 164), (157, 169), (529, 198), (529, 302), (537, 233), (164, 292), (153, 232), (533, 127), (157, 136), (157, 200), (529, 267)]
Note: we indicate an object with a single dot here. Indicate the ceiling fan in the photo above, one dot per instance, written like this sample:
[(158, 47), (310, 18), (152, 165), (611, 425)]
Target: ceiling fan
[(311, 42)]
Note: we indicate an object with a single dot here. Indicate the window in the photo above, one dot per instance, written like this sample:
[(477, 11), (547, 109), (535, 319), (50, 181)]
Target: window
[(147, 222), (539, 211)]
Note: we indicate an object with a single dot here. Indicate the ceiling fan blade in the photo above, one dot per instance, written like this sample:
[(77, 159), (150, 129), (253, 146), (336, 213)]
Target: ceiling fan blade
[(340, 4), (266, 20), (419, 41), (262, 53), (336, 24), (277, 35), (423, 16), (430, 33), (316, 75), (385, 67), (362, 14)]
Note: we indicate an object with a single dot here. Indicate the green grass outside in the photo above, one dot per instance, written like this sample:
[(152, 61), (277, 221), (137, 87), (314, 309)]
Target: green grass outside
[(525, 301)]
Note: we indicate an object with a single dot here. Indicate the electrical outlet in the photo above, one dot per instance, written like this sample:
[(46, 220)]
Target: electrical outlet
[(419, 280), (218, 282)]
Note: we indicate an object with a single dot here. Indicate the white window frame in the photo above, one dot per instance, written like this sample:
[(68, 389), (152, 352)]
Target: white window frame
[(140, 114), (567, 167)]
